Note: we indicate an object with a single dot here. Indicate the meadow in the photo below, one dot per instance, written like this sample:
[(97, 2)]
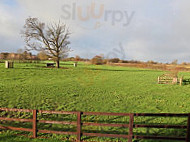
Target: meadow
[(95, 88)]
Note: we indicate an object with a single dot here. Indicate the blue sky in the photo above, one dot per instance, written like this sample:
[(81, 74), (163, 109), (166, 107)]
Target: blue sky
[(156, 30), (9, 2)]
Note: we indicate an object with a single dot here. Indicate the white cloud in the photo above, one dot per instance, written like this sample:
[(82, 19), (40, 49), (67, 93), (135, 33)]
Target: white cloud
[(8, 22)]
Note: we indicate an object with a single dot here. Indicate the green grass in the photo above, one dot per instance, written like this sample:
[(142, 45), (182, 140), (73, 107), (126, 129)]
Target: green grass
[(90, 88)]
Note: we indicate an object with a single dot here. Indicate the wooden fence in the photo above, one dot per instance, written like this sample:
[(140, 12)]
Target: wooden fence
[(79, 133), (170, 79)]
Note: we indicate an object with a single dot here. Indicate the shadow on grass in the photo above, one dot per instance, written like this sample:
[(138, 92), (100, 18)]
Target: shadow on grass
[(186, 81), (161, 133), (10, 137), (121, 70), (40, 68)]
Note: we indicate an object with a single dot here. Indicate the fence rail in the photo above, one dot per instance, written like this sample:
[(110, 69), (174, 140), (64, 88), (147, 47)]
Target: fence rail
[(79, 133)]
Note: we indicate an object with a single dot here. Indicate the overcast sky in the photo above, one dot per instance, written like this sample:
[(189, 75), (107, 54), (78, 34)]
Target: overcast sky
[(156, 30)]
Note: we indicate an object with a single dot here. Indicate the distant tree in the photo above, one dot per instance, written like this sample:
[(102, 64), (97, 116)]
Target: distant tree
[(184, 63), (151, 62), (54, 39), (77, 58), (71, 58), (175, 62), (114, 60), (4, 55), (1, 56), (20, 51), (42, 55), (26, 55), (97, 60), (20, 55), (23, 55)]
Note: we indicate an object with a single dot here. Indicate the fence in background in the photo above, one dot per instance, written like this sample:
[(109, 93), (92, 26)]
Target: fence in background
[(79, 133), (170, 79)]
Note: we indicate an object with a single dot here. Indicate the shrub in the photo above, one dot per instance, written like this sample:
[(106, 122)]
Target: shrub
[(121, 61), (151, 62), (184, 63), (114, 60), (97, 60), (174, 62), (105, 61), (42, 55), (77, 58)]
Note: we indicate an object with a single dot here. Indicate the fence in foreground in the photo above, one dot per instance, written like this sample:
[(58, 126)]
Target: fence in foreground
[(79, 124)]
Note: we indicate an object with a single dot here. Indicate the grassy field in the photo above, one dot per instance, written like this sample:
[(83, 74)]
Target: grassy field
[(89, 88)]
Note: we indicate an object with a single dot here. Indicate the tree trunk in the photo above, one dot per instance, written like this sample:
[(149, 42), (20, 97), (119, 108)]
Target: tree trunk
[(57, 64)]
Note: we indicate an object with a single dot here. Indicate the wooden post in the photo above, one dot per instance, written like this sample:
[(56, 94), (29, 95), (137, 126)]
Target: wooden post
[(9, 64), (78, 126), (188, 129), (131, 122), (75, 65), (181, 81), (34, 123), (158, 80)]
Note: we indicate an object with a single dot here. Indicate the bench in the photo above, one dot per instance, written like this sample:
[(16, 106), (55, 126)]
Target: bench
[(50, 64)]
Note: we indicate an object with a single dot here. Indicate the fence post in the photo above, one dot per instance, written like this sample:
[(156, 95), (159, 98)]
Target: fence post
[(34, 123), (79, 126), (131, 122), (188, 129), (158, 80), (181, 81)]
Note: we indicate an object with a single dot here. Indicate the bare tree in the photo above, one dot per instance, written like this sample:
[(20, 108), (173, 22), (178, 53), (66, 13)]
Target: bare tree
[(53, 39)]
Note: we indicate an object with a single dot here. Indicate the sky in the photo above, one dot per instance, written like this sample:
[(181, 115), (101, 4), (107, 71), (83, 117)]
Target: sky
[(157, 30)]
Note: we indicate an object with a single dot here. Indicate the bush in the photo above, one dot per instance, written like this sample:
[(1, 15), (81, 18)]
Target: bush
[(97, 60), (121, 61), (184, 63), (114, 60), (151, 62), (174, 62), (105, 61)]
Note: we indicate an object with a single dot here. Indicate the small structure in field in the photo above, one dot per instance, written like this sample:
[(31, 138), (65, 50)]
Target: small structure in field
[(50, 64), (8, 64), (170, 79), (75, 64)]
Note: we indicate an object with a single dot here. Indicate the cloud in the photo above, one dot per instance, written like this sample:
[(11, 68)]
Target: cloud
[(10, 25)]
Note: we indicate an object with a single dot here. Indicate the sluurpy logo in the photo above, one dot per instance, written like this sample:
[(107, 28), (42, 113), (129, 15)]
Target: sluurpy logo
[(96, 15), (117, 53)]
